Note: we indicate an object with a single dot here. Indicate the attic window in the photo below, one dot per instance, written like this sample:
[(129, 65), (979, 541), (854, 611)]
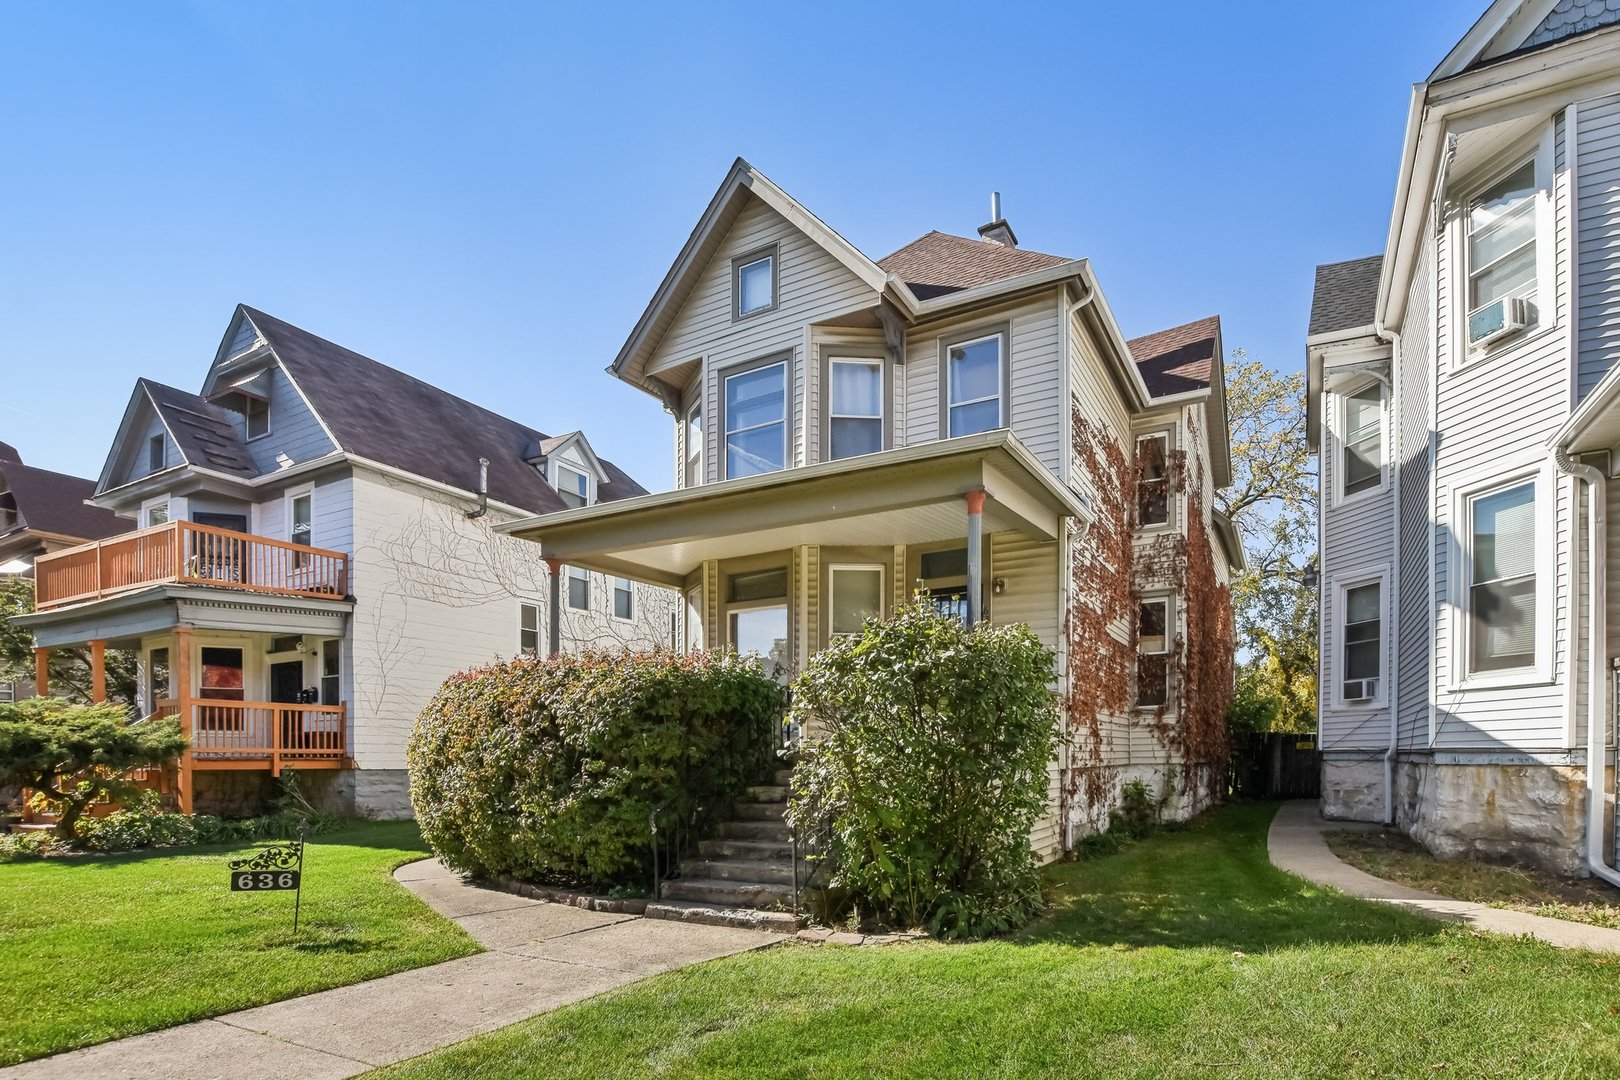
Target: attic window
[(256, 412), (753, 283), (154, 453), (573, 485)]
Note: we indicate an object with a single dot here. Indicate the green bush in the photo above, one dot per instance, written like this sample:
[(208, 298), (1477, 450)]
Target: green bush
[(549, 769), (926, 770)]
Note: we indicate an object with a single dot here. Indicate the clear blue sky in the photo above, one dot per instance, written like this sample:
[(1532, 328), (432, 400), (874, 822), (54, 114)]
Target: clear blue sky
[(487, 195)]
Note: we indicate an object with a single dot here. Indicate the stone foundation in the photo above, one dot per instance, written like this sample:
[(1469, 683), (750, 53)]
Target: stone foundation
[(233, 794), (369, 793), (1495, 808), (1181, 801)]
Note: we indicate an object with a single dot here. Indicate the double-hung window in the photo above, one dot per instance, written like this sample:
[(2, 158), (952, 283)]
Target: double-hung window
[(155, 453), (1501, 240), (854, 407), (857, 595), (573, 486), (1152, 480), (1502, 579), (1363, 462), (256, 417), (756, 420), (528, 629), (753, 283), (332, 671), (1153, 653), (975, 379), (694, 445), (579, 589), (1363, 609), (301, 527), (624, 598)]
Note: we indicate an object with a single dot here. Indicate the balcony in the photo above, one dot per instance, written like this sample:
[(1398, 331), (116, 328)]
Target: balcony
[(184, 553)]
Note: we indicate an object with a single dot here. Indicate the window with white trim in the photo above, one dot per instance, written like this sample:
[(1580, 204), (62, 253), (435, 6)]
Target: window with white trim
[(1501, 569), (528, 629), (694, 445), (624, 598), (1362, 467), (1152, 480), (754, 285), (854, 407), (756, 420), (856, 596), (573, 485), (332, 671), (256, 417), (579, 589), (1362, 615), (155, 453), (974, 377), (155, 514), (1153, 652), (1500, 226)]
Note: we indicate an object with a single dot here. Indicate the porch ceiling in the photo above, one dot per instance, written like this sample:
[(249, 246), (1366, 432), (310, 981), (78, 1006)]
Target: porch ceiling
[(123, 619), (912, 495)]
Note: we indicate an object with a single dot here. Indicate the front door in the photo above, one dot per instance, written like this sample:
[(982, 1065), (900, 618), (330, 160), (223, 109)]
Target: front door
[(286, 682), (233, 522)]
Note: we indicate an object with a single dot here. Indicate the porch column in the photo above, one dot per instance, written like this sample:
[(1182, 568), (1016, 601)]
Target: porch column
[(180, 691), (554, 609), (98, 671), (975, 556), (42, 672)]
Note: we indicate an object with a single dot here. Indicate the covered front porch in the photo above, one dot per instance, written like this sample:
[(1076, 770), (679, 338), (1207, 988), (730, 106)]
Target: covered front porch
[(257, 682), (779, 564)]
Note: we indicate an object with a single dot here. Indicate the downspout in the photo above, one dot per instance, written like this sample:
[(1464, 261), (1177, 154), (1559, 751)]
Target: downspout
[(1394, 693), (1597, 637)]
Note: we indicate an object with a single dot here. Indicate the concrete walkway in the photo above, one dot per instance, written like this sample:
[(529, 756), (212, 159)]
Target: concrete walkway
[(1295, 844), (541, 956)]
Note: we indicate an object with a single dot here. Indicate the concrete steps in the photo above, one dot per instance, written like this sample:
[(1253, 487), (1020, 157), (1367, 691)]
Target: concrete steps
[(779, 872), (784, 922)]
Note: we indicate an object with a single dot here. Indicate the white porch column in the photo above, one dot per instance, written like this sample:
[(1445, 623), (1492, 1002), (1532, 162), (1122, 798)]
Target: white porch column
[(975, 555)]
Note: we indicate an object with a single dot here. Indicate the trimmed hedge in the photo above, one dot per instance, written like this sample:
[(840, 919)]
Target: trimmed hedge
[(548, 769), (927, 770)]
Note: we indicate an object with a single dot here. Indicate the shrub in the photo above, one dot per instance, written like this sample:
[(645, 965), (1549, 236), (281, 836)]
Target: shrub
[(927, 768), (549, 769)]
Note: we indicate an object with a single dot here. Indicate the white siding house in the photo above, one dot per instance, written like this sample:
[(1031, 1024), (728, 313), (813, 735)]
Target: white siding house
[(1458, 404)]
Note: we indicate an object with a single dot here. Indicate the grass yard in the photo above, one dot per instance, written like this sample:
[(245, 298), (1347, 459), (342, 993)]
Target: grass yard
[(95, 948), (1395, 857), (1185, 955)]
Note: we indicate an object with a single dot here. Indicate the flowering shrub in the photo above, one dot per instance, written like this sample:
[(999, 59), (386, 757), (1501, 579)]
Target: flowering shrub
[(926, 769), (549, 769)]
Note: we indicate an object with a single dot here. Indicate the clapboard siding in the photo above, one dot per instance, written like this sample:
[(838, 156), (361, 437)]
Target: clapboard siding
[(294, 430), (811, 286), (139, 461), (1597, 239), (1415, 375), (1031, 596)]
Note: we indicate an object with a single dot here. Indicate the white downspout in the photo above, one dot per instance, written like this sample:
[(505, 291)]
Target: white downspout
[(1596, 669), (1394, 695)]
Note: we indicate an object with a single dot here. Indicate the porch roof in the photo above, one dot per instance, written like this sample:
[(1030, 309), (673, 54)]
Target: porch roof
[(910, 495), (127, 616)]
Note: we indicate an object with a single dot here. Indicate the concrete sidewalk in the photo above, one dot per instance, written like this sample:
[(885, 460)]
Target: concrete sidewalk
[(541, 956), (1295, 844)]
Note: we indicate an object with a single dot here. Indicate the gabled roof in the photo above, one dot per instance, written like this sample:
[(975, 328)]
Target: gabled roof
[(1509, 28), (1346, 295), (384, 415), (53, 502), (1180, 360), (204, 433), (938, 263)]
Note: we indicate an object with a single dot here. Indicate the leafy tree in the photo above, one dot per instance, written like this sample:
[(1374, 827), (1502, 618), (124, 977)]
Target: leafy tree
[(69, 668), (1272, 501), (73, 755)]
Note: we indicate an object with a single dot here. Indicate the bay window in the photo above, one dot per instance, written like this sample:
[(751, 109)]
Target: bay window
[(975, 381), (694, 445), (755, 420), (854, 407), (1363, 459), (856, 595), (1501, 238), (757, 617)]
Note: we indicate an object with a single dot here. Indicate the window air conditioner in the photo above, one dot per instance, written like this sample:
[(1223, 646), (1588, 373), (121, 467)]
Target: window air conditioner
[(1360, 690), (1497, 319)]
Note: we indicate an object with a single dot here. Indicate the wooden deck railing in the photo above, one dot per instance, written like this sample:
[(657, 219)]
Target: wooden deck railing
[(185, 552), (260, 730)]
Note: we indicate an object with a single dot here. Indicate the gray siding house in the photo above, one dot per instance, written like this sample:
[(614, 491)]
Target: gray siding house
[(1463, 387), (309, 550)]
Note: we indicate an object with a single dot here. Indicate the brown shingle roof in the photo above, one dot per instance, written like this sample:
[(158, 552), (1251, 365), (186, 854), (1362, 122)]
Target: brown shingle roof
[(938, 263), (378, 412), (54, 502), (1179, 360)]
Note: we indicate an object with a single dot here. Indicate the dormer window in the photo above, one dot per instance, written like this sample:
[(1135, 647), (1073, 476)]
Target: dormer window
[(154, 453), (257, 417), (573, 485), (753, 283)]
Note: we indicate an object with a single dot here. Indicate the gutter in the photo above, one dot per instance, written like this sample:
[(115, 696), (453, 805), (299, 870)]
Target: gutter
[(1597, 638)]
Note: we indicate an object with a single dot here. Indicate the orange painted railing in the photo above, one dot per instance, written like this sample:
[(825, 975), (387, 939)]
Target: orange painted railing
[(187, 553), (264, 729)]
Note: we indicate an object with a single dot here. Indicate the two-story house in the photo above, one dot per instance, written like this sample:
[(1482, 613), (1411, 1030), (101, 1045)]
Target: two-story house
[(309, 551), (962, 416), (1462, 389)]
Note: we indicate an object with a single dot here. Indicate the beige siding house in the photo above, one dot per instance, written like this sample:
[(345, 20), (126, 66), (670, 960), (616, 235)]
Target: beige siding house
[(849, 430), (1462, 395)]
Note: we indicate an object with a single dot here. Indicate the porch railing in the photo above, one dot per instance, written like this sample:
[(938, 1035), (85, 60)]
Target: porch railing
[(255, 730), (185, 552)]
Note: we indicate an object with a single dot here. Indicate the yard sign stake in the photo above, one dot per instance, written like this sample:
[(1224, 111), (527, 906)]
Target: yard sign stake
[(273, 869)]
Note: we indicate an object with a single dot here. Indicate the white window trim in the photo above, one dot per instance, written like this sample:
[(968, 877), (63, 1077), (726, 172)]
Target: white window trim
[(726, 430), (692, 619), (1003, 420), (164, 462), (570, 574), (1172, 497), (525, 605), (559, 467), (687, 456), (1171, 613), (249, 437), (613, 599), (287, 511), (1463, 355), (1338, 428), (744, 262), (1341, 584), (1460, 575), (149, 505), (832, 585)]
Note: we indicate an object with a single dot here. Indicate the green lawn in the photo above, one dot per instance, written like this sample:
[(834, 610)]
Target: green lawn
[(1185, 955), (97, 948)]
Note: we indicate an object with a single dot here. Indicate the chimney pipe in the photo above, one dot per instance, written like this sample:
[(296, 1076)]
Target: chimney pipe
[(996, 230), (483, 490), (995, 206)]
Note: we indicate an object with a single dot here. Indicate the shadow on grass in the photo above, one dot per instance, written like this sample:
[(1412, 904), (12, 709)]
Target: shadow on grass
[(1210, 885), (402, 836)]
